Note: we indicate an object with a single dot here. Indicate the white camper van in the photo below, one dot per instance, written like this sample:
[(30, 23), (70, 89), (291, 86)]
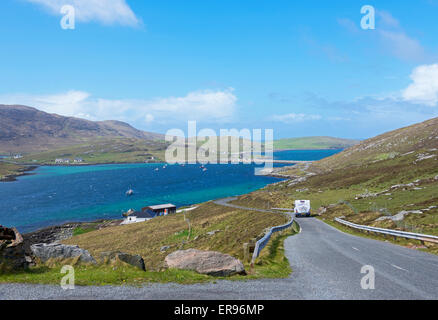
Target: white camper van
[(302, 208)]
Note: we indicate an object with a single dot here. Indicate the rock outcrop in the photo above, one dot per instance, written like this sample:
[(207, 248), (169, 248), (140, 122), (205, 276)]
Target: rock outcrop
[(60, 252), (114, 256), (12, 253), (399, 216), (205, 262)]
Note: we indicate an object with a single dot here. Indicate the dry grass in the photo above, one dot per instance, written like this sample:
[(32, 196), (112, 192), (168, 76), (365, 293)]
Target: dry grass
[(236, 227), (9, 169)]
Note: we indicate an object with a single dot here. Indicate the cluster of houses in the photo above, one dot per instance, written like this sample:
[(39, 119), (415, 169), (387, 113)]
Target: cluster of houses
[(148, 213), (67, 161)]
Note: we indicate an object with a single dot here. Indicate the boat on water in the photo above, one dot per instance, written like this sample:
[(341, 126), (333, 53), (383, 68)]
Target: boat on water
[(130, 192)]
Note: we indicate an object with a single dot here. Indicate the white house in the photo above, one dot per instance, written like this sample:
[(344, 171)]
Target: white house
[(58, 161), (138, 217)]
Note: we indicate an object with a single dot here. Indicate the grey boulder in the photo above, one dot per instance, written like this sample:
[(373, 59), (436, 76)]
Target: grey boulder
[(133, 260), (205, 262), (60, 252)]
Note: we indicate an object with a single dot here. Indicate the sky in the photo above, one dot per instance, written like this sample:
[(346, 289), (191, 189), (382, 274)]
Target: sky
[(301, 68)]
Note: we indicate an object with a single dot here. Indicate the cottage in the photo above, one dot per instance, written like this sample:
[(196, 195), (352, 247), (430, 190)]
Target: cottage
[(162, 209), (60, 161), (138, 217), (148, 213)]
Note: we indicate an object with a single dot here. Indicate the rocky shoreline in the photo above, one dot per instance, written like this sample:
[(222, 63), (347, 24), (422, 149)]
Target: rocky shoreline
[(26, 171), (58, 233)]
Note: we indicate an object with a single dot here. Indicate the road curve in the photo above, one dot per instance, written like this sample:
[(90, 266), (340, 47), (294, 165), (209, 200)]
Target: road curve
[(326, 264)]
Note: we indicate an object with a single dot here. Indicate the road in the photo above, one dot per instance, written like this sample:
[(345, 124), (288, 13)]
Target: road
[(326, 264)]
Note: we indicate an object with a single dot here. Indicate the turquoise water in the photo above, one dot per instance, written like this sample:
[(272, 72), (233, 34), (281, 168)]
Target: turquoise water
[(55, 195), (303, 155)]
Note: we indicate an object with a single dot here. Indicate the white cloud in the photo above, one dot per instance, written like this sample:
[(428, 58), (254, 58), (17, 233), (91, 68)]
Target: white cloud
[(387, 19), (391, 36), (295, 117), (204, 105), (424, 88), (396, 40), (107, 12), (348, 24), (401, 45), (149, 118), (199, 104)]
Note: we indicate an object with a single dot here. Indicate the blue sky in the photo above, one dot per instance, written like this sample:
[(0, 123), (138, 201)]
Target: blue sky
[(302, 68)]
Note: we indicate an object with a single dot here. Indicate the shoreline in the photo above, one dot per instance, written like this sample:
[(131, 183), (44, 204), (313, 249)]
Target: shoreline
[(26, 171), (57, 233), (307, 149), (57, 230)]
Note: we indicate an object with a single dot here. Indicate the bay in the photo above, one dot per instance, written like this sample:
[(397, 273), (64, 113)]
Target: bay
[(59, 194)]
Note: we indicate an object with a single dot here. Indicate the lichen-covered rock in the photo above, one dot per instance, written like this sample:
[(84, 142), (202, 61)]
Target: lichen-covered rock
[(12, 253), (60, 252), (205, 262), (133, 260)]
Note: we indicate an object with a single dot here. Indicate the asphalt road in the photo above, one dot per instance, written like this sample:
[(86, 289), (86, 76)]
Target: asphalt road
[(326, 264)]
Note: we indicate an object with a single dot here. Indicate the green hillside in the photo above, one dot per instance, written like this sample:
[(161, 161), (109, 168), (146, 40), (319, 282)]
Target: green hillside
[(102, 151), (9, 170), (389, 181), (310, 143)]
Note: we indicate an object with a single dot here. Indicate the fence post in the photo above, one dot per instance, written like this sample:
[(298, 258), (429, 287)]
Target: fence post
[(246, 257)]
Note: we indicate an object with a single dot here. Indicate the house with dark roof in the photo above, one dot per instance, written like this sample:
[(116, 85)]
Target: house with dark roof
[(139, 216), (161, 209), (148, 213)]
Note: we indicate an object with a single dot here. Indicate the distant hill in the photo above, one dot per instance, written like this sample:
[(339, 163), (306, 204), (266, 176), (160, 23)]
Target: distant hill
[(25, 129), (310, 143), (412, 141)]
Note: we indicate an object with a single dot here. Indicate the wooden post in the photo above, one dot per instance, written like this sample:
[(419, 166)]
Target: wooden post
[(246, 255)]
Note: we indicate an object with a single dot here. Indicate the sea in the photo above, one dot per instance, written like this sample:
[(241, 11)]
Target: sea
[(54, 195)]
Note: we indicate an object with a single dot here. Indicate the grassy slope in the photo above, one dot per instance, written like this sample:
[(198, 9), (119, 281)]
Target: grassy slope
[(400, 157), (9, 169), (118, 150), (103, 151), (314, 143), (236, 228)]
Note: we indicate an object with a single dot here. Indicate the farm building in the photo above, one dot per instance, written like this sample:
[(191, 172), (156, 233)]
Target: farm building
[(161, 210), (148, 213)]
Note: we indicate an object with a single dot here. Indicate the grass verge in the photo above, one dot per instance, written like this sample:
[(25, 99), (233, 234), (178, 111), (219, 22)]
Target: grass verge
[(410, 243), (272, 262)]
